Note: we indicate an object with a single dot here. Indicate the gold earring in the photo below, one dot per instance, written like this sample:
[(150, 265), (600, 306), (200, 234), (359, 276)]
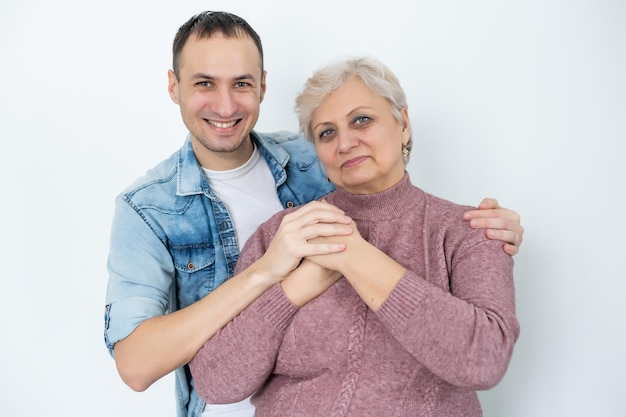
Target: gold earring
[(405, 151)]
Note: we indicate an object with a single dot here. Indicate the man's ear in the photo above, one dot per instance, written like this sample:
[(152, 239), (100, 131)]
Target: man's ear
[(263, 86), (172, 86)]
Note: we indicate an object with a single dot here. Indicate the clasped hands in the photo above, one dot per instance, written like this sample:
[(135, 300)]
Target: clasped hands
[(308, 249)]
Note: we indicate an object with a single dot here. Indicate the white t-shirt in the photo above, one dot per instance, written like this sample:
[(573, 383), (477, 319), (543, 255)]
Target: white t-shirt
[(240, 409), (249, 194)]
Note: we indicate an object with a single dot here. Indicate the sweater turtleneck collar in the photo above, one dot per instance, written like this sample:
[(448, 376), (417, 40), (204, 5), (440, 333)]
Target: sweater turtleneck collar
[(388, 204)]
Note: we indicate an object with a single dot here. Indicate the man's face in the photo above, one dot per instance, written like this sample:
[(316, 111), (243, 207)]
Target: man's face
[(219, 89)]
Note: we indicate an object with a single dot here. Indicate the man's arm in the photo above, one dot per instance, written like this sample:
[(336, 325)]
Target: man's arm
[(163, 343), (500, 224)]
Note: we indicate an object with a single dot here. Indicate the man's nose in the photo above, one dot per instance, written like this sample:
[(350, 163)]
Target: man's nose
[(225, 104)]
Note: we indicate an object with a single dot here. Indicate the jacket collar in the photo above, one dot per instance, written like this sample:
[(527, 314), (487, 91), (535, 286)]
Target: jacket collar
[(191, 179)]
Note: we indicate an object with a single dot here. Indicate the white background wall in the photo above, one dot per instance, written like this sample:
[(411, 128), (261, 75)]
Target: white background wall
[(524, 101)]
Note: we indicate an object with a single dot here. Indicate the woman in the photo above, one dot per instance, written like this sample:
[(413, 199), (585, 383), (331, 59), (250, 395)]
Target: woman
[(410, 319)]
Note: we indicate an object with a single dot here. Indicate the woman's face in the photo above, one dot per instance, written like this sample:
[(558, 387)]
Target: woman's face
[(358, 140)]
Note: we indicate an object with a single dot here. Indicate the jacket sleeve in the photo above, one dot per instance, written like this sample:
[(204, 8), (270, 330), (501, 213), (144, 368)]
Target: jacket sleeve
[(464, 334), (237, 361), (141, 274)]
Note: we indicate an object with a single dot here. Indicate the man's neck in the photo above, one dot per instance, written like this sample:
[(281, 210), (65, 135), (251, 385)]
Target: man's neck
[(223, 160)]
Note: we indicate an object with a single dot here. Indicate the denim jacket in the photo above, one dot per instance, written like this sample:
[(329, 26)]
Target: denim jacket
[(173, 242)]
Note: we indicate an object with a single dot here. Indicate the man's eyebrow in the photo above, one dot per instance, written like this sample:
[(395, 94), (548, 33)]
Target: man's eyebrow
[(201, 75), (246, 77), (211, 77)]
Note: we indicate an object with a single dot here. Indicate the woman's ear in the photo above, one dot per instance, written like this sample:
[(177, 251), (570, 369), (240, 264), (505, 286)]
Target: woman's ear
[(406, 126)]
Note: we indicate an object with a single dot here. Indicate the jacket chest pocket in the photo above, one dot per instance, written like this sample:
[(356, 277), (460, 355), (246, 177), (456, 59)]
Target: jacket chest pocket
[(195, 272)]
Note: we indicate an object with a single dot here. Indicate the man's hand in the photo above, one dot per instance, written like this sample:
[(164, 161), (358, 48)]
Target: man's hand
[(296, 236), (339, 260), (500, 224)]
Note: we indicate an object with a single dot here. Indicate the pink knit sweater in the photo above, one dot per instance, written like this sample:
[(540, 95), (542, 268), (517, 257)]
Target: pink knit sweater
[(447, 329)]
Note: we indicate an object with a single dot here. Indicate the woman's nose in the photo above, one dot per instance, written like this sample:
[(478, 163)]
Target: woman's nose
[(347, 140)]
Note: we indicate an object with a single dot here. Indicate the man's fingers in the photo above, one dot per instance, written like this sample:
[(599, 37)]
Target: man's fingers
[(315, 213), (489, 203), (505, 214), (510, 249), (509, 237), (316, 207)]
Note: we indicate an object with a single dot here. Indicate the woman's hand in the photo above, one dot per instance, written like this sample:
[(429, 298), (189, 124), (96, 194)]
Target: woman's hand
[(371, 273), (308, 281)]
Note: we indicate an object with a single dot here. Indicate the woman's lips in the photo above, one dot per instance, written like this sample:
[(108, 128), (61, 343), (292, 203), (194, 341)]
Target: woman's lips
[(353, 162)]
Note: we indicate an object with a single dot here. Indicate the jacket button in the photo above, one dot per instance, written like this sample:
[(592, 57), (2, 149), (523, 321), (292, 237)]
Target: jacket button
[(289, 204), (190, 265)]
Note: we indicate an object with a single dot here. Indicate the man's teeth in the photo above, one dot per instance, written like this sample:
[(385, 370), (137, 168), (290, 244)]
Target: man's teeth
[(222, 125)]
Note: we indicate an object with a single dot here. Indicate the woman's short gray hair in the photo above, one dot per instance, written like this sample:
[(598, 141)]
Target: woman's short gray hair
[(374, 74)]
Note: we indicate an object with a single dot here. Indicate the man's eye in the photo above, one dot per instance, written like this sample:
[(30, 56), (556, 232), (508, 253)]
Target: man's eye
[(204, 83), (242, 84)]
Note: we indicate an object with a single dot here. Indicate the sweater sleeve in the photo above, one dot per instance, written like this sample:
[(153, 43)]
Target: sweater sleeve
[(464, 334), (235, 363)]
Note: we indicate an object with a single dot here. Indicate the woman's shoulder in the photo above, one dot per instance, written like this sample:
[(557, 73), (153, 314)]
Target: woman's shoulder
[(446, 217), (444, 208)]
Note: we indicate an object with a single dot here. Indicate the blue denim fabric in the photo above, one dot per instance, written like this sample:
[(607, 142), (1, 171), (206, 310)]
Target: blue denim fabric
[(173, 242)]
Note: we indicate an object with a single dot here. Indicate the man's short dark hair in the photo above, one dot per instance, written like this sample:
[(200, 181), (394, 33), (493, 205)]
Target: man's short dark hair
[(205, 25)]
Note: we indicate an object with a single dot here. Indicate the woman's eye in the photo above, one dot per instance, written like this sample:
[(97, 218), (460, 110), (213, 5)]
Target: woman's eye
[(325, 134), (361, 120)]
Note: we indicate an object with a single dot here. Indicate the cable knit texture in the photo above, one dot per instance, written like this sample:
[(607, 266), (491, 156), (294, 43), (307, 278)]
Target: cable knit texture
[(446, 330)]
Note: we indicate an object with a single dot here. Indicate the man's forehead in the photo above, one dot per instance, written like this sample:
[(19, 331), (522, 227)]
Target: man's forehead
[(219, 50)]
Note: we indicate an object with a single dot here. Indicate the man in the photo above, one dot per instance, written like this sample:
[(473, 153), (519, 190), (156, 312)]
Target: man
[(177, 231)]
